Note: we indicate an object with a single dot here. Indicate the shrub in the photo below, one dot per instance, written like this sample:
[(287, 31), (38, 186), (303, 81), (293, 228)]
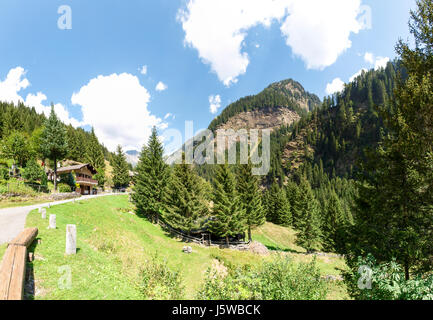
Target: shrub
[(159, 282), (33, 171), (64, 188), (280, 279), (17, 188), (388, 282)]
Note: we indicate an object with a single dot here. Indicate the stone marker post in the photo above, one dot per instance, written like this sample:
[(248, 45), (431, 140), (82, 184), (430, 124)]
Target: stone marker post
[(43, 212), (71, 239), (52, 221)]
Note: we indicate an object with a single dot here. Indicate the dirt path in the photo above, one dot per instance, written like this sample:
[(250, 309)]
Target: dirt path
[(13, 220)]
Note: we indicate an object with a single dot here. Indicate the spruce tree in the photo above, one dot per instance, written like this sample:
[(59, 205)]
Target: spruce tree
[(120, 169), (278, 207), (95, 157), (186, 206), (228, 213), (251, 198), (54, 141), (309, 224), (293, 196), (151, 179), (394, 216), (333, 221)]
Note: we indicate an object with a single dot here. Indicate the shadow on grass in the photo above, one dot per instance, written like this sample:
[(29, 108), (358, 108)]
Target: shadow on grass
[(29, 284), (277, 249)]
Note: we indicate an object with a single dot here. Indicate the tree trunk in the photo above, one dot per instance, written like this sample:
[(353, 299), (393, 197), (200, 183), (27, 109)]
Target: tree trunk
[(55, 175), (227, 241), (250, 239)]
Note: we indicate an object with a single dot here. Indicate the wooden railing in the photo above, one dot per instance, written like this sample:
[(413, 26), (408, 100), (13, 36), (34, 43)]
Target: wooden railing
[(13, 266), (86, 180)]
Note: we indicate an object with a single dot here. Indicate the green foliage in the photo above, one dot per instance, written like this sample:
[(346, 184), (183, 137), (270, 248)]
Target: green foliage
[(160, 283), (394, 216), (251, 198), (151, 179), (54, 145), (64, 188), (186, 205), (120, 169), (278, 206), (33, 172), (280, 279), (16, 147), (387, 282), (308, 222), (228, 214)]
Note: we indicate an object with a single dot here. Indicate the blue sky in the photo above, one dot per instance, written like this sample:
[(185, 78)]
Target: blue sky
[(196, 49)]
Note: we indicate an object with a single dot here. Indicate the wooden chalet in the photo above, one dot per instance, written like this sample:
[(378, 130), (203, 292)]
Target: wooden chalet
[(83, 177)]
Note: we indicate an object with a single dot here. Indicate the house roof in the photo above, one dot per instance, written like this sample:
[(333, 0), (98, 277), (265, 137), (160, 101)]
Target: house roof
[(76, 167)]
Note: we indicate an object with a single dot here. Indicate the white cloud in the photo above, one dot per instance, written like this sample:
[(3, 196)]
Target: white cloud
[(337, 85), (317, 31), (161, 86), (117, 107), (143, 70), (369, 57), (214, 103), (356, 75), (15, 82), (381, 62)]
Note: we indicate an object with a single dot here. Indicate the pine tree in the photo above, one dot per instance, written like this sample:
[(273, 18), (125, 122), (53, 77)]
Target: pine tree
[(293, 196), (278, 207), (185, 201), (228, 214), (394, 216), (120, 169), (151, 179), (309, 226), (54, 141), (251, 198)]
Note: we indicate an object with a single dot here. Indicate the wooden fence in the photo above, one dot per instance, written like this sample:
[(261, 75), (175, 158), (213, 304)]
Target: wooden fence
[(13, 266)]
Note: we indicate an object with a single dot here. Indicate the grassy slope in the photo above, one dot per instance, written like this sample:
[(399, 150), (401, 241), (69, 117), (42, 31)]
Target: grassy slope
[(114, 244), (20, 202)]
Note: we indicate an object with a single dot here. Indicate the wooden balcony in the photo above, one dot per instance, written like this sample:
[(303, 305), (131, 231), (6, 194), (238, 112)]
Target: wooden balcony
[(86, 181)]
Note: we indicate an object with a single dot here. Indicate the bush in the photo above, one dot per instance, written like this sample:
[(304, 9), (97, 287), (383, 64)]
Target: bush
[(64, 188), (160, 283), (277, 280), (33, 171), (17, 188), (388, 282)]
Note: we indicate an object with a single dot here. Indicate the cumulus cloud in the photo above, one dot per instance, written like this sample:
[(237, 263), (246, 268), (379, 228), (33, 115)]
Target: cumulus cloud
[(161, 86), (317, 31), (117, 107), (356, 75), (143, 70), (369, 57), (15, 82), (337, 85), (381, 62), (214, 103)]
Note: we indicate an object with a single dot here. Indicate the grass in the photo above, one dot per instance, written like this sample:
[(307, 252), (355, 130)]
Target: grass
[(2, 250), (19, 202), (114, 245), (277, 238)]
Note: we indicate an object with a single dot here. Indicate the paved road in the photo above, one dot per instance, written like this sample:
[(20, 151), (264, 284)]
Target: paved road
[(13, 220)]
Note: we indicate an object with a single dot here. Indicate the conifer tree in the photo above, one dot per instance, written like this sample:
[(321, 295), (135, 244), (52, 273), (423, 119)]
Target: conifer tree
[(292, 192), (185, 201), (95, 157), (394, 216), (251, 198), (151, 179), (278, 207), (309, 224), (120, 169), (333, 220), (228, 213), (54, 141)]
